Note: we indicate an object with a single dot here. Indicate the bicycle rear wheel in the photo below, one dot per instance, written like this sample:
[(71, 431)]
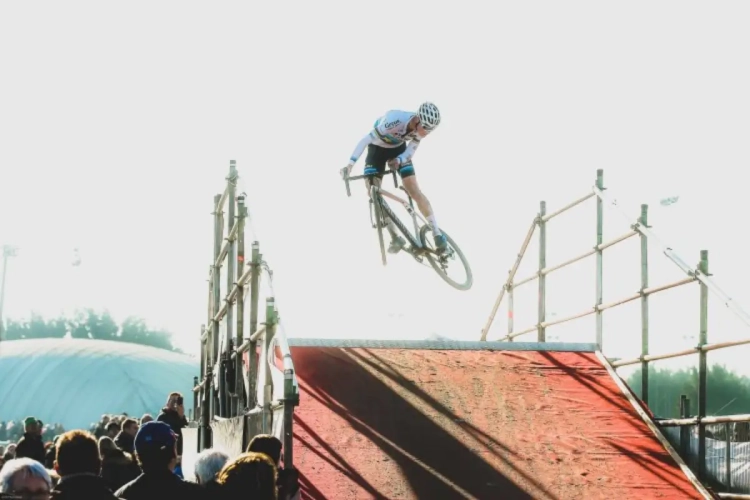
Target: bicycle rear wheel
[(440, 262)]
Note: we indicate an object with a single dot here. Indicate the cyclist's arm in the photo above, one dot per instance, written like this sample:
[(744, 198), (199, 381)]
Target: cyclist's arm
[(408, 154), (366, 141)]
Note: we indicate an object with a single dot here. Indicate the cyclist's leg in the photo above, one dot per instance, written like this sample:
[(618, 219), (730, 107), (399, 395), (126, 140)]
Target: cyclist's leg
[(374, 169), (409, 180)]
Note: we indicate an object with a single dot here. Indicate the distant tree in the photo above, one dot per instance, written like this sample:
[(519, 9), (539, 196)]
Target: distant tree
[(16, 330), (56, 327), (90, 324), (134, 330), (35, 328), (727, 392)]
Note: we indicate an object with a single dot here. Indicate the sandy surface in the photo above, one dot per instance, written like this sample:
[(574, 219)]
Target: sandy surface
[(408, 424)]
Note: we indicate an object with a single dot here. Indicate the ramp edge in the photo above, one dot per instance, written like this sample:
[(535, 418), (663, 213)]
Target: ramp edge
[(443, 345), (654, 428)]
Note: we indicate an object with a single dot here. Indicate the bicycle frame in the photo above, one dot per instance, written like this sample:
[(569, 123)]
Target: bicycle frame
[(408, 205), (418, 248)]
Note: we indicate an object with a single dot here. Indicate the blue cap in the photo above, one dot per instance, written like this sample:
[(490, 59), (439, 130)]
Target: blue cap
[(154, 435)]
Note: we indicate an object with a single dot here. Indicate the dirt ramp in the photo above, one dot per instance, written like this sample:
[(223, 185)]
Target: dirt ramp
[(442, 424)]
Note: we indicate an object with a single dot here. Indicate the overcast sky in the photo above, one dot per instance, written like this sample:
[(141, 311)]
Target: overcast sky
[(118, 121)]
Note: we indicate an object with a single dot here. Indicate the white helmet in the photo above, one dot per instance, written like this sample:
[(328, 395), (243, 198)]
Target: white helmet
[(429, 115)]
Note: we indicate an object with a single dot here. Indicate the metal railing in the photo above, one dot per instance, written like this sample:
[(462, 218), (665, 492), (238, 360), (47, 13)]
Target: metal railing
[(275, 390), (639, 228), (239, 373)]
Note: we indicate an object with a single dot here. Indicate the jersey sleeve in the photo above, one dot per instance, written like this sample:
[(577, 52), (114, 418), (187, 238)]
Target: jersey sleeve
[(408, 154), (366, 141)]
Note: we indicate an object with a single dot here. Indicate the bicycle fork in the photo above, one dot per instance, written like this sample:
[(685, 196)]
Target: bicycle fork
[(385, 219)]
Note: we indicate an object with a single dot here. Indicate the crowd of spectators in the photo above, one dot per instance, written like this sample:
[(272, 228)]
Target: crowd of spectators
[(121, 457), (13, 430)]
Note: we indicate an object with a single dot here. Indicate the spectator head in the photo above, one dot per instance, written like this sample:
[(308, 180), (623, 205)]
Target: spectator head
[(113, 428), (156, 447), (250, 475), (146, 418), (106, 444), (25, 477), (77, 453), (40, 427), (174, 400), (208, 464), (268, 444), (30, 425), (129, 426), (11, 449)]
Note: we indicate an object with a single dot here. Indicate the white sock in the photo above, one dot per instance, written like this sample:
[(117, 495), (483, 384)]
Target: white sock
[(433, 223)]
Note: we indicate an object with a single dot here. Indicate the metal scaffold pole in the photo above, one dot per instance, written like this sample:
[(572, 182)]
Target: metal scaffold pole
[(702, 366), (241, 399), (216, 282), (227, 396), (542, 309), (643, 220), (599, 262)]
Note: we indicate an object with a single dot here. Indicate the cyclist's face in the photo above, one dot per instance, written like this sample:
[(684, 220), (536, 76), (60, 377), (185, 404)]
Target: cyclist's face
[(417, 124)]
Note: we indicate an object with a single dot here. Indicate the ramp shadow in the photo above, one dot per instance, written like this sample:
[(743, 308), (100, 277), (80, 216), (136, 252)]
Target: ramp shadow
[(410, 427)]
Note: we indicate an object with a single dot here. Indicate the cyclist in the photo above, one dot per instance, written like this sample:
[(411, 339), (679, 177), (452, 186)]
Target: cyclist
[(387, 143)]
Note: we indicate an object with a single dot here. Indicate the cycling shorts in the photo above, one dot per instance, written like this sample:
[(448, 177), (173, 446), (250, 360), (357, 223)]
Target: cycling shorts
[(377, 157)]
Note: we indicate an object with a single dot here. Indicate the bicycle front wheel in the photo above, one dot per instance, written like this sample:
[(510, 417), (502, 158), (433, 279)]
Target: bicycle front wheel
[(440, 263)]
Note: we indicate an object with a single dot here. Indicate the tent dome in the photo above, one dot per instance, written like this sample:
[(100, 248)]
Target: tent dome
[(74, 381)]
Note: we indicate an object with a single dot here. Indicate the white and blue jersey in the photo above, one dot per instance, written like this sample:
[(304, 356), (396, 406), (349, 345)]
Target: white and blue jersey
[(389, 131)]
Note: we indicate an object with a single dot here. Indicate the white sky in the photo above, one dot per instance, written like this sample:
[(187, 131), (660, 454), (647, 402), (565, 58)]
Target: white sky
[(117, 124)]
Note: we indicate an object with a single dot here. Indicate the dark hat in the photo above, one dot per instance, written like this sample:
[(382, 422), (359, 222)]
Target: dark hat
[(154, 435)]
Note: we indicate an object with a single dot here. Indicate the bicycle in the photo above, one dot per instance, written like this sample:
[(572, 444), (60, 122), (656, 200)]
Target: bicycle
[(418, 247)]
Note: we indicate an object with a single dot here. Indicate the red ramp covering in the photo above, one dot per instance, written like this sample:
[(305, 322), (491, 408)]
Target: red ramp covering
[(443, 424)]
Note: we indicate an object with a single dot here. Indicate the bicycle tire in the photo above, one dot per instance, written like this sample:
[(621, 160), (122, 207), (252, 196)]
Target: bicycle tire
[(435, 265), (379, 225)]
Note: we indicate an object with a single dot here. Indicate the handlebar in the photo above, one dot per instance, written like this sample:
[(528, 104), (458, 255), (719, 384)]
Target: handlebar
[(356, 177)]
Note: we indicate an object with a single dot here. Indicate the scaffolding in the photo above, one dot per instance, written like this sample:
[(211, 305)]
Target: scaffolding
[(247, 376), (699, 274)]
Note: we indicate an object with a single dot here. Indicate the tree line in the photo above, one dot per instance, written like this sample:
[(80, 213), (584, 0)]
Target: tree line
[(727, 392), (89, 324)]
